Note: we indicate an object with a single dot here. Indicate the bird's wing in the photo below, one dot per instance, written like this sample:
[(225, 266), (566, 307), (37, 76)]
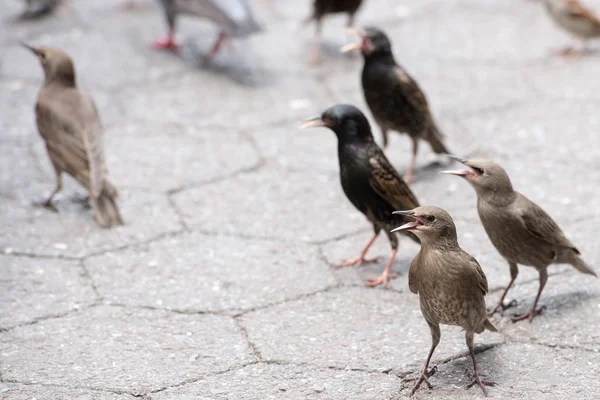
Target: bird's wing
[(413, 93), (473, 269), (388, 184), (412, 276), (539, 224), (73, 134), (576, 10)]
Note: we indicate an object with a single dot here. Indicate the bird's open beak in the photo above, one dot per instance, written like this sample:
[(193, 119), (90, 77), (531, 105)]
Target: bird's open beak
[(462, 173), (352, 46), (312, 123), (409, 226), (30, 48)]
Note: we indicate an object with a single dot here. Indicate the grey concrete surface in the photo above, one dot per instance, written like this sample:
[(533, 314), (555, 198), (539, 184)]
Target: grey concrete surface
[(222, 283)]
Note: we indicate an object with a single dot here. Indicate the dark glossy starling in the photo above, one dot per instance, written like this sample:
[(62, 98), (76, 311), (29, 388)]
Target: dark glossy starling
[(519, 229), (324, 7), (450, 283), (395, 99), (38, 8), (70, 125), (368, 179), (234, 18)]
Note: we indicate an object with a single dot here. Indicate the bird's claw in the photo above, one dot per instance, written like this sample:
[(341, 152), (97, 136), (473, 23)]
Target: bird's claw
[(357, 261), (528, 315), (46, 204), (482, 384), (500, 308), (166, 44), (382, 279), (422, 378)]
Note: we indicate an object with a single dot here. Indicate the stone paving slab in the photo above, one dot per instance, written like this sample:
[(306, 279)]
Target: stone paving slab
[(328, 330), (11, 391), (31, 288), (199, 273), (111, 347)]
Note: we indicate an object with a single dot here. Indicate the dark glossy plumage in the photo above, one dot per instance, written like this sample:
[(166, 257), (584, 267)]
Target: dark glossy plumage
[(324, 7), (368, 179), (395, 99)]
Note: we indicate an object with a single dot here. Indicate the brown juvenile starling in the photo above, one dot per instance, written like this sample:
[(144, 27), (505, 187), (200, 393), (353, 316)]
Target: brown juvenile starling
[(368, 179), (234, 18), (395, 99), (70, 125), (324, 7), (519, 229), (450, 283), (576, 19)]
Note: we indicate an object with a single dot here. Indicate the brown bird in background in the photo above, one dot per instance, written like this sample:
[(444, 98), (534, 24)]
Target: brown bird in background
[(324, 7), (450, 283), (394, 97), (519, 229), (572, 16), (368, 179), (70, 125)]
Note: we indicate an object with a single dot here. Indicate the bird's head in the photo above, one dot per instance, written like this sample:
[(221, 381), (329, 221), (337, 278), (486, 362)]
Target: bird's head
[(347, 121), (487, 178), (429, 224), (372, 42), (57, 64)]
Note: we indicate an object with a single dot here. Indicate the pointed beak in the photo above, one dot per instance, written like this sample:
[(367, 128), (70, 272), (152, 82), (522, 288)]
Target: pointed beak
[(352, 46), (30, 48), (410, 225), (462, 173), (457, 158), (312, 123)]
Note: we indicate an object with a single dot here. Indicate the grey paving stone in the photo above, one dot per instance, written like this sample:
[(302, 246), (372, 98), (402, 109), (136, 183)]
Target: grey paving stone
[(74, 232), (521, 371), (17, 117), (568, 79), (33, 288), (206, 273), (352, 328), (115, 348), (14, 391), (273, 203), (175, 155), (267, 381), (571, 317)]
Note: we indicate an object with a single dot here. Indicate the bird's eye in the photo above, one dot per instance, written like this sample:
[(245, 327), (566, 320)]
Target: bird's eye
[(479, 171), (430, 218)]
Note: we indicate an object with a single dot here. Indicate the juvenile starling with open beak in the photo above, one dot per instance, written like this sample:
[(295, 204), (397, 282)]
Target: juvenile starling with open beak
[(368, 179), (519, 229), (324, 7), (572, 16), (69, 123), (395, 99), (450, 283), (234, 18)]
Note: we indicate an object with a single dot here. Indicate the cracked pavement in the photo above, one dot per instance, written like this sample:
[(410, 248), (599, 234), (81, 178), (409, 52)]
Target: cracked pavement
[(221, 284)]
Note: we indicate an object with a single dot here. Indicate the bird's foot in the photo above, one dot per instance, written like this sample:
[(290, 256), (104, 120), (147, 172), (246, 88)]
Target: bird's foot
[(528, 315), (570, 52), (422, 378), (357, 261), (482, 384), (408, 178), (166, 43), (382, 279), (46, 204), (501, 307)]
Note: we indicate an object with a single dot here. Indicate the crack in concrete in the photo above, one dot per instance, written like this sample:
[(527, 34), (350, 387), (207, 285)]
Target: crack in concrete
[(253, 348), (36, 320), (75, 387)]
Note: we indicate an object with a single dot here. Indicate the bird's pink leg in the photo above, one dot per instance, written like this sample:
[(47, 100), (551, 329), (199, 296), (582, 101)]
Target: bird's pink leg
[(217, 46), (361, 258), (386, 275), (167, 42)]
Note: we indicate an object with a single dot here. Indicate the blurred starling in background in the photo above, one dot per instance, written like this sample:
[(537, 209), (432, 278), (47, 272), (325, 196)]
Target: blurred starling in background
[(368, 179), (450, 283), (519, 229), (37, 8), (70, 125), (395, 99), (576, 19), (234, 18)]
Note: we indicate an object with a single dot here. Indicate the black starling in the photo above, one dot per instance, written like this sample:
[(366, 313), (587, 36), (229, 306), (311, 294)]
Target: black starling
[(234, 18), (368, 179), (450, 283), (70, 125), (38, 8), (519, 229), (324, 7), (395, 99)]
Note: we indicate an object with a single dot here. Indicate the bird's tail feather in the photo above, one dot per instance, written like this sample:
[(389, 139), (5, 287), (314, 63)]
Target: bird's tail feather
[(436, 140), (106, 210), (581, 265), (489, 326)]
